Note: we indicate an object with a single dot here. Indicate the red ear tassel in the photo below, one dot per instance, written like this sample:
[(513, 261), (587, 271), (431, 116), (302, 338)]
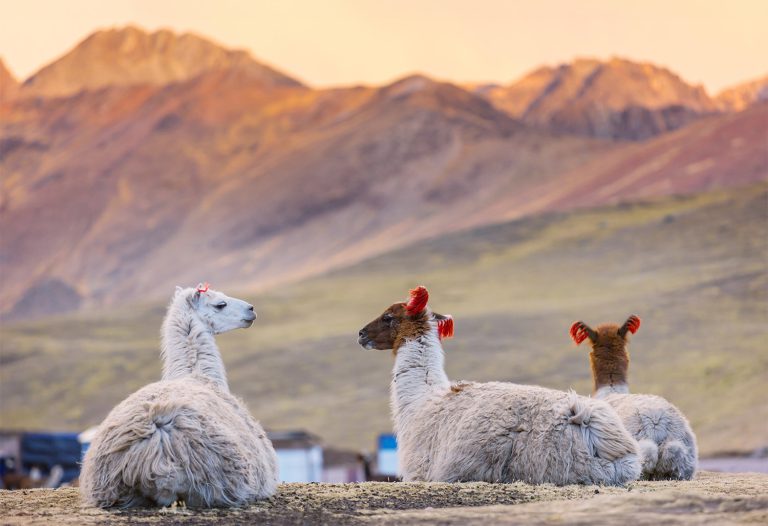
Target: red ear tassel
[(578, 332), (633, 323), (445, 327), (418, 301), (203, 287)]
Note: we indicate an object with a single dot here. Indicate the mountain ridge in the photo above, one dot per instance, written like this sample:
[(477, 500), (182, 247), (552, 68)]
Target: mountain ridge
[(614, 99), (130, 55)]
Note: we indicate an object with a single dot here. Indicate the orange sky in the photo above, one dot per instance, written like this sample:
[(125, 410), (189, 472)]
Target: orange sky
[(330, 42)]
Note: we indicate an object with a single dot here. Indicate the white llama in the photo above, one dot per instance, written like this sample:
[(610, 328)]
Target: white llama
[(184, 438), (667, 443), (493, 432)]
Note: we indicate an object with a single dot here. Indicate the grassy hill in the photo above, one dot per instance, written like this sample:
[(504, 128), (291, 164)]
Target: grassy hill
[(693, 268)]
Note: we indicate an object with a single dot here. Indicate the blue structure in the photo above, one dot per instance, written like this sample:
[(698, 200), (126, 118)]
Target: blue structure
[(386, 458), (45, 450)]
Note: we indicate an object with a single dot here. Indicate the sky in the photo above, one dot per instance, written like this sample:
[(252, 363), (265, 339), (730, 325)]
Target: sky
[(717, 43)]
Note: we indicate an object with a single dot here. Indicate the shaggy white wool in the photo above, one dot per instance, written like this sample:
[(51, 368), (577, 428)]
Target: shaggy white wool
[(184, 437), (668, 445), (501, 432)]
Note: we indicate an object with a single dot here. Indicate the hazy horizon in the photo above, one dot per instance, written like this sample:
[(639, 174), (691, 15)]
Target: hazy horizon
[(370, 43)]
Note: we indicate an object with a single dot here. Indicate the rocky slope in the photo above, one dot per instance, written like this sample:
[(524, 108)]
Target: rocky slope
[(103, 190)]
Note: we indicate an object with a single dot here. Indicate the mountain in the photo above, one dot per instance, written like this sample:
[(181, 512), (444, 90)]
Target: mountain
[(744, 95), (9, 86), (105, 189), (614, 99), (257, 187), (110, 196), (693, 268), (129, 55)]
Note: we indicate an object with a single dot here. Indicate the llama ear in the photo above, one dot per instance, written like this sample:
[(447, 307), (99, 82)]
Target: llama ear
[(631, 325), (580, 331), (418, 301), (194, 299), (444, 326)]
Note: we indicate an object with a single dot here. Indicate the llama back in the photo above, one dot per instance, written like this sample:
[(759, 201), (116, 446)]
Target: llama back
[(183, 441), (507, 432), (666, 439)]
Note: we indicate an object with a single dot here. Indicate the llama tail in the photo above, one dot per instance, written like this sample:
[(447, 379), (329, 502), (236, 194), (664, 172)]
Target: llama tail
[(675, 461), (136, 464), (162, 479), (606, 438)]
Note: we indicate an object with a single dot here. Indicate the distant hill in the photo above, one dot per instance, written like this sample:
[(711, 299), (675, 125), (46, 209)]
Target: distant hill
[(614, 99), (129, 55), (9, 86), (740, 97), (693, 268)]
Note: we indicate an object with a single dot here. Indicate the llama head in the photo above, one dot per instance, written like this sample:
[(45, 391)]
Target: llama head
[(609, 356), (403, 321), (219, 312)]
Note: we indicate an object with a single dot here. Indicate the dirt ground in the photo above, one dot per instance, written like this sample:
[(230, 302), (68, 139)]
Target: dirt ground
[(712, 498)]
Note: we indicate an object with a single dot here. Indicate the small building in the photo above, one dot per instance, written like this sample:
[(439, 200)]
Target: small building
[(299, 455), (340, 466), (386, 457)]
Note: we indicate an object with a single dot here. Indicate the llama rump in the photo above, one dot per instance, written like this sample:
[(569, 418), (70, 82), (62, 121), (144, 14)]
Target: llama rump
[(667, 443), (184, 438), (492, 432)]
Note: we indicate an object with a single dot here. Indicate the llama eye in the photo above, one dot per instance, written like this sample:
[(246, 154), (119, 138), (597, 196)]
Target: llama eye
[(221, 305)]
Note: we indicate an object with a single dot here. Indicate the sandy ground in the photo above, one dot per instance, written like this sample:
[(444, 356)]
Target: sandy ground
[(712, 498)]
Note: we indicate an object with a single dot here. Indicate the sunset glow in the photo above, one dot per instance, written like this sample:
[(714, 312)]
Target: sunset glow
[(337, 42)]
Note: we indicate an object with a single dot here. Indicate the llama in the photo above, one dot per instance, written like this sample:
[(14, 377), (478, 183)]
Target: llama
[(492, 432), (667, 443), (184, 438)]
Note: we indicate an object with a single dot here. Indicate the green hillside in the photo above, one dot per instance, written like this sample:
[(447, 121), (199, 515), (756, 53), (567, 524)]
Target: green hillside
[(695, 270)]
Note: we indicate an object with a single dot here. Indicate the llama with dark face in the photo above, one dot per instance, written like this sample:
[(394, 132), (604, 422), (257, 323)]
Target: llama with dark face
[(493, 432), (667, 443)]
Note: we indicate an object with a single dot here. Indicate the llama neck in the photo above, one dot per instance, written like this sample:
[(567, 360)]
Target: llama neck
[(418, 370), (605, 390), (189, 348), (609, 373)]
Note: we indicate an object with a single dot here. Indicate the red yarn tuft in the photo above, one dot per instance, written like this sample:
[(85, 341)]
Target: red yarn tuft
[(633, 323), (418, 301), (203, 287), (578, 332), (445, 327)]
